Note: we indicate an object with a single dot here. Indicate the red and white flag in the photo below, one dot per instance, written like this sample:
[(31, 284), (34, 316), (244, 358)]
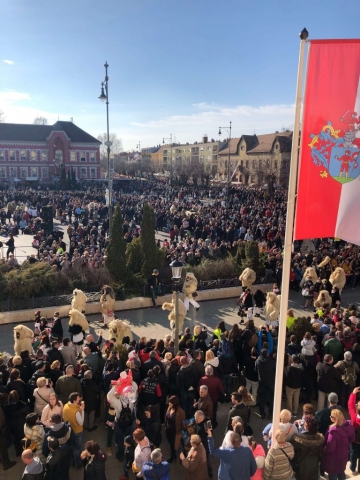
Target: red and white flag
[(328, 194)]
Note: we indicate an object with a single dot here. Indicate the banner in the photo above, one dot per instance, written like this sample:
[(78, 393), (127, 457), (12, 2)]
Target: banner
[(328, 194)]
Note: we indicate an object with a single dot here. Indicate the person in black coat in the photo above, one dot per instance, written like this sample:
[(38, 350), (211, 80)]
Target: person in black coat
[(150, 364), (15, 413), (54, 354), (259, 299), (91, 393), (152, 426), (58, 461), (57, 329), (15, 383), (94, 461)]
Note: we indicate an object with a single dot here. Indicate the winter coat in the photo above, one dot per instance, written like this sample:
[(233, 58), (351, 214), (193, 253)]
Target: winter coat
[(58, 463), (294, 375), (42, 398), (240, 410), (308, 453), (160, 471), (215, 364), (215, 387), (195, 464), (34, 471), (205, 404), (328, 378), (336, 450), (266, 370), (36, 434), (277, 464), (91, 393), (95, 467), (355, 420)]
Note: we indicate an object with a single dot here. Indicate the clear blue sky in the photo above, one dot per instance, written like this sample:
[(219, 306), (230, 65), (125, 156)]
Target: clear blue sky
[(176, 66)]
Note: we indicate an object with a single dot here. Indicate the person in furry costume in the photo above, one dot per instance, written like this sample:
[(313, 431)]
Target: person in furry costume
[(79, 300), (22, 339), (322, 299), (272, 309), (181, 313), (78, 325), (247, 278), (338, 278), (107, 304), (119, 329), (189, 290), (324, 268), (309, 274)]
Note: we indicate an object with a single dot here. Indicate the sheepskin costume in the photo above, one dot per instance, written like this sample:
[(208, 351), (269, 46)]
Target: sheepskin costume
[(189, 288), (181, 314), (338, 278), (22, 339), (322, 299), (79, 300), (78, 325), (309, 274), (107, 304), (247, 278), (272, 308), (119, 329)]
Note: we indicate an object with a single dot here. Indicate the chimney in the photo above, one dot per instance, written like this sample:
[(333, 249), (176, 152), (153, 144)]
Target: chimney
[(72, 119), (205, 138)]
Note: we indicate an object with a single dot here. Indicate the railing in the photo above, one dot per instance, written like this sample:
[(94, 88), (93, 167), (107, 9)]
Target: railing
[(125, 293)]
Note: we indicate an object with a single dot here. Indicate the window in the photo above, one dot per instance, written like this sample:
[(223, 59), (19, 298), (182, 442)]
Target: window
[(44, 156), (83, 173), (247, 164), (2, 156), (12, 155), (215, 148), (33, 156), (13, 172), (165, 152), (2, 172), (33, 172), (93, 157), (23, 172), (44, 172), (92, 172), (260, 163), (242, 147), (276, 164), (23, 156), (242, 163), (72, 156)]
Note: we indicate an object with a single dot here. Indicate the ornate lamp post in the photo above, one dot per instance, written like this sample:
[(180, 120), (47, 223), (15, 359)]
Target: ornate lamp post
[(228, 166), (176, 268)]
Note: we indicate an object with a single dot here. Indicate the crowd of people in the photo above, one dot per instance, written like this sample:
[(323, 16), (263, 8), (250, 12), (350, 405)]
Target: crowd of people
[(50, 398)]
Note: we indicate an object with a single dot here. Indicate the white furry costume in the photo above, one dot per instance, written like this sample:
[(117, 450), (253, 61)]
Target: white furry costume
[(247, 278), (189, 288), (22, 339), (79, 300), (107, 304), (181, 313)]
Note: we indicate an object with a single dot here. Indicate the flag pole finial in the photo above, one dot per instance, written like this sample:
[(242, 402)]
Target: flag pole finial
[(303, 34)]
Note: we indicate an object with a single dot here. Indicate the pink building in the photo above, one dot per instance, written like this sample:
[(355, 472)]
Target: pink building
[(38, 152)]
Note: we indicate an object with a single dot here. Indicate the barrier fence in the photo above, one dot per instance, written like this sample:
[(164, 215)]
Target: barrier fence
[(11, 304)]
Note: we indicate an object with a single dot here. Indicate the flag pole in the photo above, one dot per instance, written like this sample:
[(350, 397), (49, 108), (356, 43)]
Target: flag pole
[(288, 239)]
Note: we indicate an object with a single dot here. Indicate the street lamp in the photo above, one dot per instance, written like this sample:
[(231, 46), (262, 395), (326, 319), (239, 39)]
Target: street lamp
[(104, 97), (176, 268), (228, 169), (138, 148), (171, 165)]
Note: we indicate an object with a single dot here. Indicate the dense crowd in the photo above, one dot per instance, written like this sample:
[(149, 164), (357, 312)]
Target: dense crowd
[(50, 398), (198, 223)]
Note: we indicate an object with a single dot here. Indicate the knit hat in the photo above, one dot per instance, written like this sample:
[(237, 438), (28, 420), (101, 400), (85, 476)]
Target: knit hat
[(347, 355), (333, 398)]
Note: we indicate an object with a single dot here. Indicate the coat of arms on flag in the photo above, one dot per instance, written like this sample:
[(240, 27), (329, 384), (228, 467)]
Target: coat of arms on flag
[(337, 153)]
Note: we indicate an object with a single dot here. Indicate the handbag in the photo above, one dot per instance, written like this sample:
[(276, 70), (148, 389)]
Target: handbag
[(305, 292)]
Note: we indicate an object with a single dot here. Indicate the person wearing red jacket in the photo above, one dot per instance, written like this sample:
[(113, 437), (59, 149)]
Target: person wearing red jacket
[(354, 411), (215, 389)]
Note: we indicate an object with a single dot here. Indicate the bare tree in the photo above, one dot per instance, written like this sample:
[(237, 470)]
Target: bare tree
[(115, 148), (2, 116), (40, 121)]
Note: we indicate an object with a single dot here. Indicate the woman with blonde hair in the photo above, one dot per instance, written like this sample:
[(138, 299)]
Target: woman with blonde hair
[(336, 447), (166, 361), (42, 394), (55, 371), (247, 398), (290, 318), (54, 406), (277, 462), (213, 361)]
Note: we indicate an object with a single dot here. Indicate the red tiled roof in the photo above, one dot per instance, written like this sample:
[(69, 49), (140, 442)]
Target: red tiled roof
[(266, 141)]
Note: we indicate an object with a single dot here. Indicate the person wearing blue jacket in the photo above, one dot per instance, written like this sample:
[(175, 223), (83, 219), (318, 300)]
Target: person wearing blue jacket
[(264, 330), (236, 462), (156, 469)]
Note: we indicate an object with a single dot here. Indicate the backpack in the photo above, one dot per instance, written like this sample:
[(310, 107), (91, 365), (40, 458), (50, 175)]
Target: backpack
[(190, 379), (126, 417), (225, 349), (253, 340), (349, 376)]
